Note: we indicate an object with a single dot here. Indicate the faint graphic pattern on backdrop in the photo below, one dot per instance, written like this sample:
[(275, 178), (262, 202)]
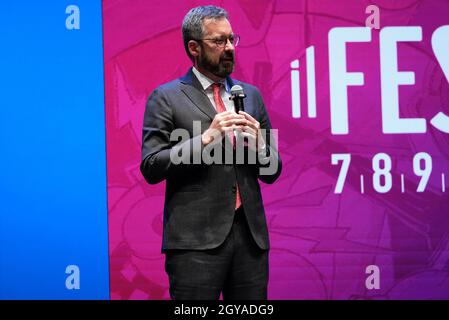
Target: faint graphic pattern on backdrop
[(321, 241)]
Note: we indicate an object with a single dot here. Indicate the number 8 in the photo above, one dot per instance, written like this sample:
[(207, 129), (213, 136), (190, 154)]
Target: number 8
[(379, 172)]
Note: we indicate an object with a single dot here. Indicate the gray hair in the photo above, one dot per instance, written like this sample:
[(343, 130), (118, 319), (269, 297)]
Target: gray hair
[(192, 25)]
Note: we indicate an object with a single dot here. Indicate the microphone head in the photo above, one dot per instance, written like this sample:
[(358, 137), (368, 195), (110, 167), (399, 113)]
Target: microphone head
[(237, 90)]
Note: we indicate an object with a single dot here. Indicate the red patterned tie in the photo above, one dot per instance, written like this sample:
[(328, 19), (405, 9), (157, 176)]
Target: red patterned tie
[(221, 108)]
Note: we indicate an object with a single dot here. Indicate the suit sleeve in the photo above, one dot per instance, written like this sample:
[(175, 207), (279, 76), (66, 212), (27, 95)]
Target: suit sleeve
[(270, 164), (157, 146)]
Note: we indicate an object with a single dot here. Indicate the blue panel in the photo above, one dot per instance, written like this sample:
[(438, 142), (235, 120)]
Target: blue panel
[(53, 203)]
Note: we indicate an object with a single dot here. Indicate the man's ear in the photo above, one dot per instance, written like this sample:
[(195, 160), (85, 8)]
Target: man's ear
[(194, 48)]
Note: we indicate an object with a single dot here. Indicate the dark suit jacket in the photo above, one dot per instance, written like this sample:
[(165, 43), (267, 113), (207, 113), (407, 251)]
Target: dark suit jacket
[(200, 198)]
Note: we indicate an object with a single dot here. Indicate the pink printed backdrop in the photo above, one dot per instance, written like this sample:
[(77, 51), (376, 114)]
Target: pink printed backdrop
[(321, 241)]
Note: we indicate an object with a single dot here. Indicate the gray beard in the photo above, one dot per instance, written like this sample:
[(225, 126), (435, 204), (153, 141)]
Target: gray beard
[(221, 69)]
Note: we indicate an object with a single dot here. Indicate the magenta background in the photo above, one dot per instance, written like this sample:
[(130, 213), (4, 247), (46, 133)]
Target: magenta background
[(321, 242)]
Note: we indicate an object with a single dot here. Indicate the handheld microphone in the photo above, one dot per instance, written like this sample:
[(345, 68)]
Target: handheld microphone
[(237, 95)]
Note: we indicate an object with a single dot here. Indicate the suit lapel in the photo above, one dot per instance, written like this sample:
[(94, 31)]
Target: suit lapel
[(194, 91)]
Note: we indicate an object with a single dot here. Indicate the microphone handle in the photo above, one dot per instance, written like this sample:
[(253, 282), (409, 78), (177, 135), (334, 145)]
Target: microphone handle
[(238, 105)]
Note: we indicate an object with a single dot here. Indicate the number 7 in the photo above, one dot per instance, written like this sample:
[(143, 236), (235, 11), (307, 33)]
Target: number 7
[(346, 158)]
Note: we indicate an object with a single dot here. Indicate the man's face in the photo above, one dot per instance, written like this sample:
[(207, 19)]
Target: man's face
[(217, 60)]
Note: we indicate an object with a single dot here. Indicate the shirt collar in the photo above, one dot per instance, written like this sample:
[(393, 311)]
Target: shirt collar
[(206, 82)]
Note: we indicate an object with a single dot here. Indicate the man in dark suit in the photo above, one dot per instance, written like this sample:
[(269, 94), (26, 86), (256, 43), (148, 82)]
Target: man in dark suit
[(215, 235)]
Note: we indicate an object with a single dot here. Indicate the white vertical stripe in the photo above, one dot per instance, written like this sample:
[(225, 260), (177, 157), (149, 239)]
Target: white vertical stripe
[(443, 182), (296, 94), (362, 186), (311, 85)]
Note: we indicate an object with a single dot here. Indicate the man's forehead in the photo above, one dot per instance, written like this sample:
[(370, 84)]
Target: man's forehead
[(217, 27)]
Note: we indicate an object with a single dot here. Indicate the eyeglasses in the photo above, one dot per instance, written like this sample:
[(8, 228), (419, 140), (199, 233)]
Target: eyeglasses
[(222, 42)]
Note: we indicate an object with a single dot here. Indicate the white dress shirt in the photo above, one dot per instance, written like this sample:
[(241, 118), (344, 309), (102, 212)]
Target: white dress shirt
[(225, 91)]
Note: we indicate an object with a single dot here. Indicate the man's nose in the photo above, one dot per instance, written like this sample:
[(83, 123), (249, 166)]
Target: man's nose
[(229, 45)]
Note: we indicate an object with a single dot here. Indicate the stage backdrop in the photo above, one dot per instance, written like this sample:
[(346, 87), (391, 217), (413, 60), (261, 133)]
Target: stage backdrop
[(361, 209), (53, 203)]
